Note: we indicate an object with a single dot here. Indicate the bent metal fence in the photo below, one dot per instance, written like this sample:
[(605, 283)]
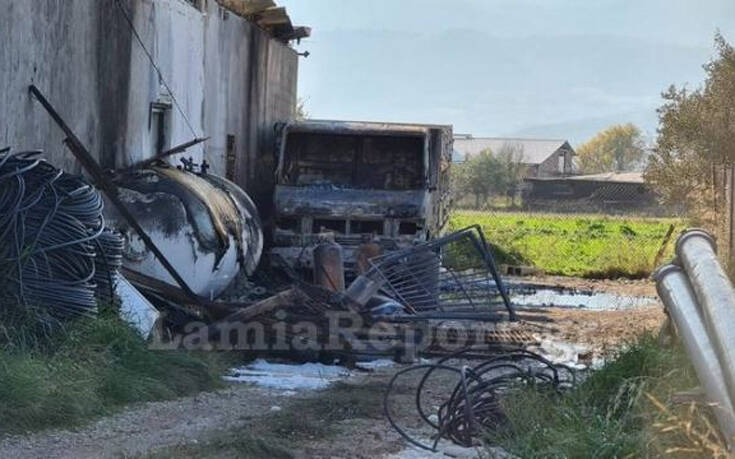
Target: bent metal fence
[(455, 275)]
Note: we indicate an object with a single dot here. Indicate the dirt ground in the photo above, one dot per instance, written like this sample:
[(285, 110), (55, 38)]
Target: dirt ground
[(343, 421), (602, 331), (245, 421)]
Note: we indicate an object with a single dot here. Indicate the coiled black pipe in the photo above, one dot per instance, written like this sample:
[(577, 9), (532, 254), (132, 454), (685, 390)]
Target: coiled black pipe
[(473, 405), (53, 242)]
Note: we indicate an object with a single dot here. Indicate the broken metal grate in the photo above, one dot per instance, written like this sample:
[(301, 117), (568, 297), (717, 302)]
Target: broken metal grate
[(454, 275)]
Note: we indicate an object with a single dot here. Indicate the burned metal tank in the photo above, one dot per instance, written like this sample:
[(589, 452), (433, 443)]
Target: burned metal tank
[(207, 227)]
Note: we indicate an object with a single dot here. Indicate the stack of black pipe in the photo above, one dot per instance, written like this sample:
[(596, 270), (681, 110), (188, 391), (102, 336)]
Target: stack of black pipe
[(52, 239)]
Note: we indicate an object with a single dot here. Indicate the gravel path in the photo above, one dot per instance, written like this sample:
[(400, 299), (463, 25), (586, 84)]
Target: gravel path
[(147, 427)]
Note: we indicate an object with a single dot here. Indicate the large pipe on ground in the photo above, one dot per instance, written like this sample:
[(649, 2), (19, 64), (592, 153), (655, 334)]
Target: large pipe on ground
[(697, 253), (676, 292)]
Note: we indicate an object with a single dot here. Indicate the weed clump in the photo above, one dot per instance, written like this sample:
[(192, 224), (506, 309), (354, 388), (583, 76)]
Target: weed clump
[(88, 368), (621, 410)]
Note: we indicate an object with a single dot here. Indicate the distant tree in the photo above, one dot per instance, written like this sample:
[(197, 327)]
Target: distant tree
[(618, 148), (513, 168), (486, 174), (473, 177), (696, 135)]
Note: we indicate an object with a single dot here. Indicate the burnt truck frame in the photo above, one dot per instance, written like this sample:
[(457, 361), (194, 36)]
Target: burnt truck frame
[(357, 183)]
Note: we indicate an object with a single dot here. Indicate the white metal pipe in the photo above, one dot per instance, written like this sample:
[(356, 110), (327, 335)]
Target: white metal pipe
[(676, 292), (696, 251)]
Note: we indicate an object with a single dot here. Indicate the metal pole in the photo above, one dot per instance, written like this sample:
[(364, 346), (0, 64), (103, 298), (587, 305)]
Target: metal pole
[(714, 292), (677, 295)]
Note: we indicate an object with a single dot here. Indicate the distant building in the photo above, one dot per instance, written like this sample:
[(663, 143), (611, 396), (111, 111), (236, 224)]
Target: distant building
[(624, 190), (542, 157)]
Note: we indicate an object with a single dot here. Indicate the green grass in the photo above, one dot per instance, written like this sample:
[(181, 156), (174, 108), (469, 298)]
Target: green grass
[(609, 415), (592, 246), (90, 369)]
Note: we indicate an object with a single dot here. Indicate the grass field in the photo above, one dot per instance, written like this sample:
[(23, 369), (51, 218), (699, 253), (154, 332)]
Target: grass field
[(593, 246)]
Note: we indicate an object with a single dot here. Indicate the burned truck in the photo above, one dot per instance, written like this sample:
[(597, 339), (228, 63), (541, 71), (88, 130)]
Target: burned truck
[(370, 187)]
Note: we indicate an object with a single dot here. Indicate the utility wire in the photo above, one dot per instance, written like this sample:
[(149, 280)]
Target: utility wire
[(153, 63)]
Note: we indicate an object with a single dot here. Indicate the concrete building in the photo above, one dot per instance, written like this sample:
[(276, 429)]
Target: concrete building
[(232, 77), (542, 157)]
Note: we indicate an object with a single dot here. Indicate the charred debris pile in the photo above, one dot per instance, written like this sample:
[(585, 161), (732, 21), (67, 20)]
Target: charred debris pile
[(161, 245), (159, 240)]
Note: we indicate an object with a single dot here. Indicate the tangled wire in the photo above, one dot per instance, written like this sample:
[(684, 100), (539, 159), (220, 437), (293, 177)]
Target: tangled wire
[(51, 235), (473, 406)]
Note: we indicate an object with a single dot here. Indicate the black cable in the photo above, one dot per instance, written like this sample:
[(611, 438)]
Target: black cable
[(473, 406)]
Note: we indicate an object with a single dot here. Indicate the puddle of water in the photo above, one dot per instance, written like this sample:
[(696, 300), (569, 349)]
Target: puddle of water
[(570, 299), (524, 294)]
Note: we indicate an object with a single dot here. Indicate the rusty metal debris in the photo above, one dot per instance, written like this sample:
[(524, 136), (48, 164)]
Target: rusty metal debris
[(388, 309), (454, 274)]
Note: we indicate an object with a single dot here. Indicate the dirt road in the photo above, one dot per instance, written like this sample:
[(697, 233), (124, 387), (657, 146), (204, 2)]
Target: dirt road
[(243, 421)]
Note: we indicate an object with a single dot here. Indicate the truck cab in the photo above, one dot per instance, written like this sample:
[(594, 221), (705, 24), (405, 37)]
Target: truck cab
[(355, 183)]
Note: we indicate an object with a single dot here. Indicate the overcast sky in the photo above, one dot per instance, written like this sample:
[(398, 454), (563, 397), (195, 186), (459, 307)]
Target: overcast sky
[(532, 68)]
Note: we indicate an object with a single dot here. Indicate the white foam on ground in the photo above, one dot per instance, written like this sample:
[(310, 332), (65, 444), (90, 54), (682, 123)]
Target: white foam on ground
[(561, 352), (308, 376), (444, 452), (374, 364), (596, 300)]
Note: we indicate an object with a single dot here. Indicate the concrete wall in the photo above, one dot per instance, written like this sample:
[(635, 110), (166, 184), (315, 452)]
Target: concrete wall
[(228, 76)]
